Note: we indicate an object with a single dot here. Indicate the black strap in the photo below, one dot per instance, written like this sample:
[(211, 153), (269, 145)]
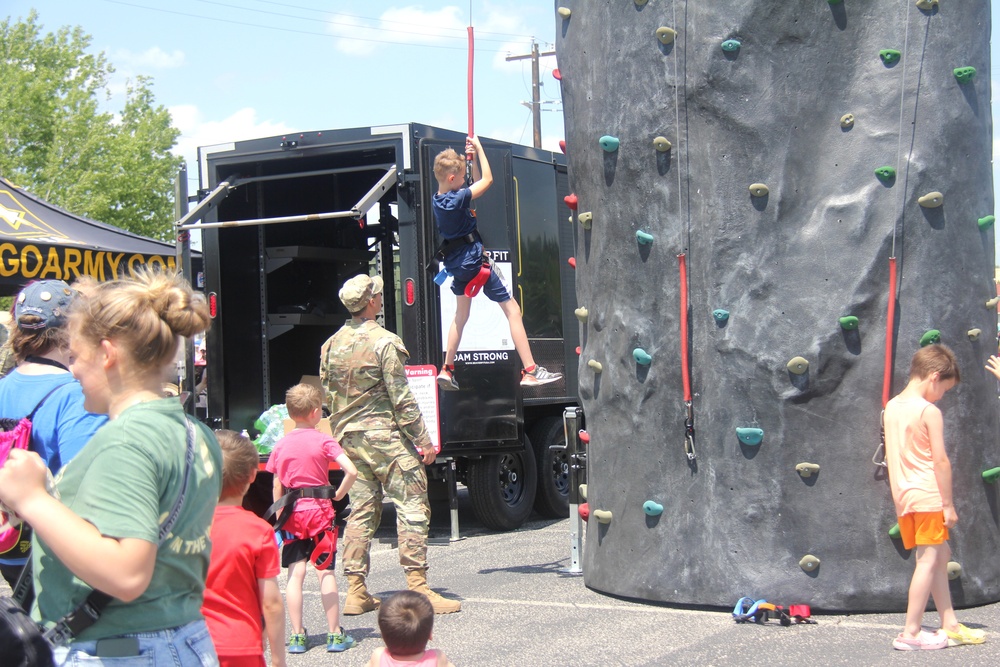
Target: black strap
[(89, 611), (327, 492), (33, 359), (448, 245)]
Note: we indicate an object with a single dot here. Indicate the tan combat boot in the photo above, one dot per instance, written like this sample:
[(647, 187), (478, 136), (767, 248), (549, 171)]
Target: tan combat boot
[(417, 581), (359, 600)]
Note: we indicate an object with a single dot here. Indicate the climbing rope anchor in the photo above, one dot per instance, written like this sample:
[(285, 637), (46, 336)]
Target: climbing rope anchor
[(689, 432)]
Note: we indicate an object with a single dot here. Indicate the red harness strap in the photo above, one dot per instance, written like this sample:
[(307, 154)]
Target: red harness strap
[(476, 284)]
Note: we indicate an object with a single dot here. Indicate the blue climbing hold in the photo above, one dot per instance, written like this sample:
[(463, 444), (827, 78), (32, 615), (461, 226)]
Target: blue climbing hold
[(652, 508), (644, 238), (641, 356), (750, 436), (720, 315), (731, 45), (609, 143)]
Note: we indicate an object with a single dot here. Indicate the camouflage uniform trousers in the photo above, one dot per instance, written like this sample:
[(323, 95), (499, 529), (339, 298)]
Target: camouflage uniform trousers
[(385, 464)]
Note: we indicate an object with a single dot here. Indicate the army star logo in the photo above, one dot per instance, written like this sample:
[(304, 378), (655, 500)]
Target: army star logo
[(12, 217)]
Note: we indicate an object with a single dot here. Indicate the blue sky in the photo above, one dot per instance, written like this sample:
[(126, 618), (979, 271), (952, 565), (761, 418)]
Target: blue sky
[(240, 69)]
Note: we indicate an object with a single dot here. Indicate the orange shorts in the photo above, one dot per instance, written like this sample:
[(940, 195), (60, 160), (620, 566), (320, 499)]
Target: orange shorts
[(922, 529)]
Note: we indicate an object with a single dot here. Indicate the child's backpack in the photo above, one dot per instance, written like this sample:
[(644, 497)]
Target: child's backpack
[(16, 434)]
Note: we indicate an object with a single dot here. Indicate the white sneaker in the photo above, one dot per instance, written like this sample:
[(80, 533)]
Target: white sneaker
[(538, 377)]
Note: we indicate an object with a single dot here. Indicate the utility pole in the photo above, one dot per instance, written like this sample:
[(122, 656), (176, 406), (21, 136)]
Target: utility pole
[(536, 97)]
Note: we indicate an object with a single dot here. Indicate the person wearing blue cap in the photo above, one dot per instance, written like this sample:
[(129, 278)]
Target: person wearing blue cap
[(39, 340)]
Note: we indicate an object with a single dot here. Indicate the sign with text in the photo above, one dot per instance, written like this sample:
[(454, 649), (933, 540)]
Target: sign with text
[(423, 383)]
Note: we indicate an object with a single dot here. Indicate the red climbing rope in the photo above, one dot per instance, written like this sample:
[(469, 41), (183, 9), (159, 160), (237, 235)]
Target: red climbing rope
[(472, 53), (890, 323), (685, 372)]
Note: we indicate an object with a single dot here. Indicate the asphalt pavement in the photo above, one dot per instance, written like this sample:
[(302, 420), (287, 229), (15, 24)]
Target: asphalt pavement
[(519, 608)]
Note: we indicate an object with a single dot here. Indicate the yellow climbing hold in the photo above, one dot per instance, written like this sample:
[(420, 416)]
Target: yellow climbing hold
[(807, 469), (595, 365), (927, 5), (604, 516), (809, 563), (798, 365), (640, 3), (662, 144), (586, 219), (665, 35), (974, 334), (847, 120), (565, 12), (931, 200), (992, 303), (954, 570), (583, 491), (759, 190), (582, 314)]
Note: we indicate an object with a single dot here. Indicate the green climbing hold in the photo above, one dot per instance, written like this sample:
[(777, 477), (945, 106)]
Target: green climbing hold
[(731, 45), (643, 238), (986, 222), (595, 365), (834, 2), (885, 173), (665, 35), (641, 357), (931, 337), (890, 56), (894, 531), (807, 469), (662, 144), (798, 365), (809, 563), (991, 476), (759, 190), (849, 322), (974, 334), (954, 570), (652, 508), (931, 200), (603, 516), (965, 74), (609, 143), (750, 436), (586, 219), (720, 315)]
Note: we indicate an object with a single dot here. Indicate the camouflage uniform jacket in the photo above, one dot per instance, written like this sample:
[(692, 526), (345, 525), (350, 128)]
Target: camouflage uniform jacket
[(362, 368)]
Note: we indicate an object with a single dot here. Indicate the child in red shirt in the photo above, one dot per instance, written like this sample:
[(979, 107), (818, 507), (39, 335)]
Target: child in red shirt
[(301, 460), (242, 583)]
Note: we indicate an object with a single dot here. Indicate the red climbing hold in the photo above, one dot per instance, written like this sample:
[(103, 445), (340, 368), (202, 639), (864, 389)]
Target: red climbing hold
[(572, 201), (562, 146), (584, 437), (584, 511), (572, 262), (578, 350), (556, 74)]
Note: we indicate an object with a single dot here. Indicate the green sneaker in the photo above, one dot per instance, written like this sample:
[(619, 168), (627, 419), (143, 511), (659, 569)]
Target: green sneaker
[(297, 643), (338, 641)]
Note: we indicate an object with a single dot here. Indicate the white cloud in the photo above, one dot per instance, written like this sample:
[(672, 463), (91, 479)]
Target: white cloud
[(153, 58), (405, 25)]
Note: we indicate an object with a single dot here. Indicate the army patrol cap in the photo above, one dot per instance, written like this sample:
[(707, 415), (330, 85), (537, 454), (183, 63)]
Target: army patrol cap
[(357, 291)]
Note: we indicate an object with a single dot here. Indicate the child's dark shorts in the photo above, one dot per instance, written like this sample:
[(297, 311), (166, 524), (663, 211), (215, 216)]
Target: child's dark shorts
[(496, 287), (299, 550)]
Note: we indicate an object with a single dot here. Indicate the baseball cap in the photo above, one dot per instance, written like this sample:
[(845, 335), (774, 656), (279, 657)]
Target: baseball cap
[(48, 300), (357, 291)]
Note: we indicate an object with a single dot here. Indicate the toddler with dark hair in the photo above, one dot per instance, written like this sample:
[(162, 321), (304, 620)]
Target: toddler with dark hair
[(406, 620)]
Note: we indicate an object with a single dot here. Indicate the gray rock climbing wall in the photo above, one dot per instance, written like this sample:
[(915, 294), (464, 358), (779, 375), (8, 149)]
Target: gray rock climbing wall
[(787, 266)]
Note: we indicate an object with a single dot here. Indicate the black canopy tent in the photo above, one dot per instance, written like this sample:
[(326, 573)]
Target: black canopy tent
[(41, 241)]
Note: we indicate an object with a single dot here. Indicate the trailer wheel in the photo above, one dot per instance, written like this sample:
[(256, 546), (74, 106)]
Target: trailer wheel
[(549, 437), (502, 488)]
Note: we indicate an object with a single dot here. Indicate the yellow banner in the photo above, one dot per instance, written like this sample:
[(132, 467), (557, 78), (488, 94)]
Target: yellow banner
[(33, 262)]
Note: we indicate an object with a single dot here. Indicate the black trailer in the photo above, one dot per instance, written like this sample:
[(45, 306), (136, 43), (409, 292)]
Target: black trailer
[(286, 220)]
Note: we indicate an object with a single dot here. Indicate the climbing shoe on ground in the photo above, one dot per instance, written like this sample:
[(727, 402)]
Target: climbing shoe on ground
[(446, 380), (297, 643), (338, 641), (965, 635), (538, 376), (925, 641)]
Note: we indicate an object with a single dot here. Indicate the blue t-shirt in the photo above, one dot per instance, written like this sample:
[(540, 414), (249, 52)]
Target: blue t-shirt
[(60, 428), (454, 218)]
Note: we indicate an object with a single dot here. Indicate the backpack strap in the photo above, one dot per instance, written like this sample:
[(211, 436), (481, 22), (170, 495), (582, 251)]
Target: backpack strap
[(31, 415)]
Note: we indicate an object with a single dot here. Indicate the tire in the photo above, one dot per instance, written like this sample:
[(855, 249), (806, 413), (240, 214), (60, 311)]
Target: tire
[(552, 499), (502, 488)]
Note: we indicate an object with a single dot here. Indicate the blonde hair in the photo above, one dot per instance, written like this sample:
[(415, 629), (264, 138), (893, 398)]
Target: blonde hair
[(446, 163), (143, 314), (239, 462), (302, 399), (934, 359)]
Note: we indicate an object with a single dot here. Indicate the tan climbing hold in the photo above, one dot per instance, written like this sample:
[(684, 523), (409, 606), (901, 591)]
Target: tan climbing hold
[(807, 469), (640, 3), (604, 516), (992, 303), (931, 200), (666, 35), (565, 12), (759, 190), (662, 144), (798, 365), (847, 120), (974, 334), (809, 563), (586, 219), (595, 365), (583, 491), (927, 4), (582, 314), (954, 570)]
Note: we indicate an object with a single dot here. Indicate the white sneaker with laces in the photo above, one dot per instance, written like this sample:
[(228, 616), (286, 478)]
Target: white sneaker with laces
[(538, 377)]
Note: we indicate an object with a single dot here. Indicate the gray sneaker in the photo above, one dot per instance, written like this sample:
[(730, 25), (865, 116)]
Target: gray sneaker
[(537, 377), (446, 380)]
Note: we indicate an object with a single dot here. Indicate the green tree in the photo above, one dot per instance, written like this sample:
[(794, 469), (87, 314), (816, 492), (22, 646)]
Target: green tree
[(56, 141)]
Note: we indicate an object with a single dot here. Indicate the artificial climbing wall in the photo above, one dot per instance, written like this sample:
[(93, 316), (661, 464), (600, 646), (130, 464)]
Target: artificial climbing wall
[(790, 151)]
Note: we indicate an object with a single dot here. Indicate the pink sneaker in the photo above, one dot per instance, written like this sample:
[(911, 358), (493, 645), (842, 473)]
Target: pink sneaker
[(925, 641)]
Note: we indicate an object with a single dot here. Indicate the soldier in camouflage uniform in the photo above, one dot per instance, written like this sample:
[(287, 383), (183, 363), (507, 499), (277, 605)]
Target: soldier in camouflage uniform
[(376, 420)]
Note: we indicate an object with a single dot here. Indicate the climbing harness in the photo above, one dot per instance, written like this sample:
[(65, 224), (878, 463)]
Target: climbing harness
[(685, 370), (326, 542), (759, 611)]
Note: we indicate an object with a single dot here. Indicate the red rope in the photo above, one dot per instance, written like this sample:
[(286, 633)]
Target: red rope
[(890, 323), (472, 53), (685, 371)]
